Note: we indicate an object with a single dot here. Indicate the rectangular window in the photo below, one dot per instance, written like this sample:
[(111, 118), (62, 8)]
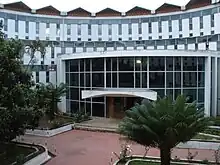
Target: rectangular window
[(160, 27), (129, 28), (212, 20), (180, 25), (150, 27), (37, 27), (52, 62), (68, 29), (26, 27), (47, 76), (109, 29), (52, 52), (79, 29), (170, 25), (139, 28), (58, 29), (99, 29), (119, 29), (201, 22), (37, 77), (89, 29), (16, 25), (190, 24), (5, 24), (47, 28)]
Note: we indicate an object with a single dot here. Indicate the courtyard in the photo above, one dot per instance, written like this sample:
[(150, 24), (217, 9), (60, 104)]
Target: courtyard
[(95, 148)]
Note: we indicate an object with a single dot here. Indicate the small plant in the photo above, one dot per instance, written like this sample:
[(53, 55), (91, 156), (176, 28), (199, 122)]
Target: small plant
[(80, 116), (20, 159), (191, 156), (217, 155)]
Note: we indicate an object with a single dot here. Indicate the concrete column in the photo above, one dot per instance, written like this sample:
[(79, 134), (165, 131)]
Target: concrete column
[(214, 86), (111, 107), (208, 86), (61, 78)]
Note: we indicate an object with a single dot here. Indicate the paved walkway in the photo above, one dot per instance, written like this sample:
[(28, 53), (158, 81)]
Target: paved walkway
[(95, 148)]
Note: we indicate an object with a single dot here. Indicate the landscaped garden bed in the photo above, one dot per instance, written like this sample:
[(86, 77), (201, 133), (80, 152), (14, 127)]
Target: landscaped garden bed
[(18, 153)]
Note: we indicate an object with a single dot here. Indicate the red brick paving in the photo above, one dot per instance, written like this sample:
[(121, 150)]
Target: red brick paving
[(95, 148)]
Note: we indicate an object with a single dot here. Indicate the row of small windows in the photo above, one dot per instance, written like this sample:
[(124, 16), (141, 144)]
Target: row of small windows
[(79, 32)]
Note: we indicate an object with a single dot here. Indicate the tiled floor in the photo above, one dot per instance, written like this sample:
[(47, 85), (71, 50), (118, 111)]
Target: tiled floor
[(95, 148)]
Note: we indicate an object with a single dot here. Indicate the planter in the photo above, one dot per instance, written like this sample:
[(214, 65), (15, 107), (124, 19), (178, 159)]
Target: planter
[(49, 133)]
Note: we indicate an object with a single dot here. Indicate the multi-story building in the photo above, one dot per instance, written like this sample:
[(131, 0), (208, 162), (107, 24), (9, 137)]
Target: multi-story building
[(109, 59)]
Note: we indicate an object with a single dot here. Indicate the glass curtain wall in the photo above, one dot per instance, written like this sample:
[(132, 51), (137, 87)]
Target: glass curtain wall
[(165, 75)]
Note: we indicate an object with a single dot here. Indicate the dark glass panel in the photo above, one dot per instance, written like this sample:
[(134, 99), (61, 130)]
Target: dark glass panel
[(201, 79), (108, 79), (98, 79), (114, 80), (108, 64), (191, 93), (201, 64), (144, 63), (74, 67), (98, 109), (157, 79), (169, 63), (189, 79), (87, 64), (98, 64), (68, 109), (74, 106), (126, 80), (137, 79), (114, 64), (189, 63), (98, 99), (157, 63), (144, 79), (169, 93), (87, 80), (126, 64), (74, 79), (177, 79), (82, 65), (169, 79), (82, 79), (67, 66), (177, 93), (138, 63), (201, 95), (177, 61), (68, 93), (88, 108), (74, 93), (67, 79)]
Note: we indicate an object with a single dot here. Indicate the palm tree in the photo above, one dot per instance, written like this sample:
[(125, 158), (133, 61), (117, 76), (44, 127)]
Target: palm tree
[(163, 124), (54, 94)]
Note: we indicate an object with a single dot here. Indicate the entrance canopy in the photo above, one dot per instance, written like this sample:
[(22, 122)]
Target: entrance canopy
[(120, 92)]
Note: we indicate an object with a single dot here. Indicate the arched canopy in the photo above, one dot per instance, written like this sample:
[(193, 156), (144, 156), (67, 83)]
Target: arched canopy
[(120, 92)]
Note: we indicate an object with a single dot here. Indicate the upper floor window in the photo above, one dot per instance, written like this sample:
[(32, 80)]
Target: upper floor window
[(109, 29), (170, 25), (212, 20), (5, 24), (201, 22), (26, 27), (129, 28), (47, 28), (150, 27), (119, 29), (16, 25), (68, 29), (139, 28), (99, 29), (37, 27), (89, 29), (79, 29), (190, 24), (160, 27), (180, 25), (58, 29)]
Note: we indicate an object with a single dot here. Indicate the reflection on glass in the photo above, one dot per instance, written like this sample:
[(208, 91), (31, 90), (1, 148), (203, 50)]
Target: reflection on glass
[(191, 94), (201, 79), (177, 61), (157, 63), (144, 79), (114, 80), (74, 93), (88, 80), (98, 64), (169, 79), (74, 79), (108, 64), (160, 92), (74, 66), (97, 80), (126, 64), (126, 80), (138, 63), (177, 79), (137, 79), (189, 79), (114, 64), (67, 79), (169, 63), (189, 63), (157, 79), (144, 63), (201, 64), (169, 93), (81, 65), (201, 95)]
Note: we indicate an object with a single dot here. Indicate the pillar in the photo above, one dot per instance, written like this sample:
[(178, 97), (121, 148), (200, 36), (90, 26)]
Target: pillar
[(208, 86)]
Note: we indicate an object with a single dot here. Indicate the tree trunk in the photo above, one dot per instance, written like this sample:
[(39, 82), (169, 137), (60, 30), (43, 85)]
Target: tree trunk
[(165, 156)]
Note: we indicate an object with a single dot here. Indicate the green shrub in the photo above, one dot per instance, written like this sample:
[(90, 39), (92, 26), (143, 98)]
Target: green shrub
[(80, 116)]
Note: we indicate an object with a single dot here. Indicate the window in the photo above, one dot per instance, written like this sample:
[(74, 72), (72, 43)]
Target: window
[(140, 38), (150, 27), (129, 28), (89, 39), (129, 38), (201, 22), (89, 29), (180, 25), (26, 27), (190, 24), (68, 39), (16, 25), (212, 20), (37, 27), (160, 27), (170, 25), (52, 52), (78, 39), (37, 77), (119, 39), (52, 62), (170, 36), (79, 29), (201, 33), (47, 28), (42, 62), (47, 76), (119, 29), (139, 28), (160, 37), (99, 29), (68, 29), (58, 29), (5, 24), (109, 29), (180, 36)]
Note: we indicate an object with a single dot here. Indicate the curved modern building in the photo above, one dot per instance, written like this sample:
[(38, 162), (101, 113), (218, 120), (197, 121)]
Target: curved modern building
[(110, 60)]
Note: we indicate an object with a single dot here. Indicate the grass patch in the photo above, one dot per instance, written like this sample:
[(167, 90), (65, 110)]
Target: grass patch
[(212, 131), (204, 137), (10, 153)]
